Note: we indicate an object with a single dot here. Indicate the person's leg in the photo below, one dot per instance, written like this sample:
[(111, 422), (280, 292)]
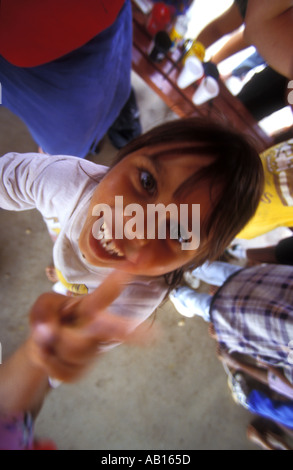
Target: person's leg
[(264, 93), (262, 254), (190, 303), (127, 126), (69, 104), (282, 253), (215, 273), (260, 403)]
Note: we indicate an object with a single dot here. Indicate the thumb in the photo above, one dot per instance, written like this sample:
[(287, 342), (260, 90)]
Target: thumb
[(44, 337)]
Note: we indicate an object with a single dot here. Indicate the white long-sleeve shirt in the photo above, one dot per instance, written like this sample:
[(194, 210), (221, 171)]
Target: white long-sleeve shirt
[(60, 188)]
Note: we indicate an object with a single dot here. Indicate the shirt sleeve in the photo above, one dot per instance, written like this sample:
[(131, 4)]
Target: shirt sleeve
[(56, 186), (19, 180)]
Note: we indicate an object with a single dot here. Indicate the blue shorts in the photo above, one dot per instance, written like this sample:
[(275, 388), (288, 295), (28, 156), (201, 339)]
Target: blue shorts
[(278, 411), (69, 104)]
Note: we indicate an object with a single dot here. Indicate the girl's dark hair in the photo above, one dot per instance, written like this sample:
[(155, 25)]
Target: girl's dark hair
[(236, 168)]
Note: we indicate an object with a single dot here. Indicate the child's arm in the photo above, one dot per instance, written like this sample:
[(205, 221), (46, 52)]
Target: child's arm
[(235, 44), (35, 181), (69, 332), (224, 24), (67, 335), (18, 173), (23, 384)]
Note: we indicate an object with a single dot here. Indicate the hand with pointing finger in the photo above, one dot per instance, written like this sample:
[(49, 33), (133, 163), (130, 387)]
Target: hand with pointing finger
[(68, 333)]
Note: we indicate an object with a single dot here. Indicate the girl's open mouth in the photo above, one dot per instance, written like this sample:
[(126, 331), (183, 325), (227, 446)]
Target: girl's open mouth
[(103, 244)]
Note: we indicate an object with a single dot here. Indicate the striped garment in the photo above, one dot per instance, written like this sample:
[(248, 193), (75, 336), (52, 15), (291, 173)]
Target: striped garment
[(253, 315)]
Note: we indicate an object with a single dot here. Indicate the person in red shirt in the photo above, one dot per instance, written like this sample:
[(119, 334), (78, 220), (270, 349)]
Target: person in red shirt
[(65, 68), (34, 33)]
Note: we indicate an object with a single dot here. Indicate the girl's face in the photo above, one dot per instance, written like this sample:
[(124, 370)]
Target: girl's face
[(122, 241)]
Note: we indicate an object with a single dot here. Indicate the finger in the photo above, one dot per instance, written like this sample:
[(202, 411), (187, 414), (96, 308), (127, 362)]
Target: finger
[(108, 291), (78, 345), (68, 344), (45, 337), (65, 371), (99, 300), (63, 357), (44, 358), (45, 307)]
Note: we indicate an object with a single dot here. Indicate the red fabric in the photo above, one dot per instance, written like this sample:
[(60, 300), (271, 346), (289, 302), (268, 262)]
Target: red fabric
[(44, 445), (33, 32)]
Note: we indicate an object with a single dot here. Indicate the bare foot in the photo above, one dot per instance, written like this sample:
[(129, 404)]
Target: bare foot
[(228, 359), (212, 331), (51, 274), (213, 290), (40, 150)]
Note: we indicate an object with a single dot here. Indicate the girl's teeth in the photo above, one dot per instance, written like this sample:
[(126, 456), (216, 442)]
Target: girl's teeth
[(107, 242), (107, 234), (111, 246)]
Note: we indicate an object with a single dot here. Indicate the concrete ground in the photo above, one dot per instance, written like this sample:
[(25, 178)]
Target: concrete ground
[(173, 395)]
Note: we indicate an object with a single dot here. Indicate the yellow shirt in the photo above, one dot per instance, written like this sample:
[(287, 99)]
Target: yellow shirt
[(276, 206)]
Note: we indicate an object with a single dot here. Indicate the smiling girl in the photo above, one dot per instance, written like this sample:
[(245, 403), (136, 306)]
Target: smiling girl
[(184, 162), (180, 164)]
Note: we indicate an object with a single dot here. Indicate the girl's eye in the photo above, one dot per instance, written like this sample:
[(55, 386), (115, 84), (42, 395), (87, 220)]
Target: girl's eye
[(179, 234), (147, 181), (182, 235)]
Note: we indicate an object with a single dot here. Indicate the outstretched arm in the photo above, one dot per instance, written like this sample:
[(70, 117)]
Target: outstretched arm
[(66, 336), (23, 384), (269, 27), (226, 23), (235, 43)]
